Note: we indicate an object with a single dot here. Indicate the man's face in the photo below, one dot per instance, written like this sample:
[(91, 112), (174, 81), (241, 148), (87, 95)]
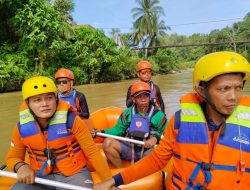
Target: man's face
[(142, 100), (64, 84), (145, 75), (43, 105), (225, 92)]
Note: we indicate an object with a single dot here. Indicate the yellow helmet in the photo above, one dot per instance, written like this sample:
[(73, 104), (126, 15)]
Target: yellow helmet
[(37, 85), (214, 64)]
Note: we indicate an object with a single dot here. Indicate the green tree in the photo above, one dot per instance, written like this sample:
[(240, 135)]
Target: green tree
[(147, 27), (38, 25), (65, 7), (8, 9), (166, 60)]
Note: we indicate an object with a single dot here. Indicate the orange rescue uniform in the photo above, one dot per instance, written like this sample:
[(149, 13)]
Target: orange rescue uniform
[(230, 164), (82, 135)]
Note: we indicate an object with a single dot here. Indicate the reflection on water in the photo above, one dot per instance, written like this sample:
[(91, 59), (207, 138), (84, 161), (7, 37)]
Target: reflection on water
[(172, 87)]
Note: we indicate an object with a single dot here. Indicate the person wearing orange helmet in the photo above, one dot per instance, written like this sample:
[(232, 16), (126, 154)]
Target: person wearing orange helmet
[(142, 121), (56, 139), (144, 72), (209, 136), (64, 81)]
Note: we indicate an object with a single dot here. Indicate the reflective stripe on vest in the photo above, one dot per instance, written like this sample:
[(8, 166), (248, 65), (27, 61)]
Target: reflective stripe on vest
[(60, 147), (192, 122), (193, 131), (57, 126)]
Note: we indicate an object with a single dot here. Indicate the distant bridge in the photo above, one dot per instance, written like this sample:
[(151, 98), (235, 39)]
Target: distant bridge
[(188, 45)]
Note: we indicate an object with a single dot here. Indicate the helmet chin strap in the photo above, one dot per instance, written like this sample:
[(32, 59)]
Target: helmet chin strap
[(224, 116)]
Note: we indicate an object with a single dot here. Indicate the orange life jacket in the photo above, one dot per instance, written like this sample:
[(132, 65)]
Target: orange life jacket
[(227, 166), (57, 147)]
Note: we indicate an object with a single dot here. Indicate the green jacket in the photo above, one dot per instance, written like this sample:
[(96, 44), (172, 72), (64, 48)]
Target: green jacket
[(158, 123)]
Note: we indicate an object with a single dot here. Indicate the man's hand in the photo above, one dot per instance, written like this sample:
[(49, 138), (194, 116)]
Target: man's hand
[(106, 185), (25, 174), (150, 142), (93, 132)]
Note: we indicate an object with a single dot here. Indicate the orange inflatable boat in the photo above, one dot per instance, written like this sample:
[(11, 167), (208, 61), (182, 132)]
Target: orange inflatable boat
[(106, 118)]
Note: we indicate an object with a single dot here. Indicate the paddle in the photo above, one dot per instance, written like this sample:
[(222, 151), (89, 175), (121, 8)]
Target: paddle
[(46, 182), (120, 138)]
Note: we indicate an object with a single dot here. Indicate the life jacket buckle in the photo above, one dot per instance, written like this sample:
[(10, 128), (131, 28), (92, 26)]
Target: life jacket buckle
[(242, 166), (48, 153), (207, 166)]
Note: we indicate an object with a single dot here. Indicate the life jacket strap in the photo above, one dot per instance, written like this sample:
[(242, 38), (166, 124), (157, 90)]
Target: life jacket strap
[(56, 152), (123, 116), (32, 155), (40, 173), (71, 152), (206, 169), (190, 186)]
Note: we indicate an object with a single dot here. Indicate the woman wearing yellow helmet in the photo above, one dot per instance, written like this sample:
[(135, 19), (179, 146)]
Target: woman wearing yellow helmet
[(209, 137), (45, 126)]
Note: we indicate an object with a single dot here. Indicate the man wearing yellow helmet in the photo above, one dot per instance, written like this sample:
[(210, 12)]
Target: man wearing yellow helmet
[(209, 136), (57, 140)]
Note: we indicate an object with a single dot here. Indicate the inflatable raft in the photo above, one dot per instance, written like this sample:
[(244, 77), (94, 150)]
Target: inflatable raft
[(102, 119)]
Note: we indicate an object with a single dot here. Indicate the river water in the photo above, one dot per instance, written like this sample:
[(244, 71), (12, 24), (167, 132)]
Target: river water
[(172, 86)]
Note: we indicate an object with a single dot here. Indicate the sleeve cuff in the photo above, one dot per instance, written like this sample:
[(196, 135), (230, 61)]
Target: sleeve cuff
[(118, 180)]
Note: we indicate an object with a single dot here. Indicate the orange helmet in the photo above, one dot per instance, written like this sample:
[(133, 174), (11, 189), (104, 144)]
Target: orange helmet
[(139, 88), (143, 65), (64, 73)]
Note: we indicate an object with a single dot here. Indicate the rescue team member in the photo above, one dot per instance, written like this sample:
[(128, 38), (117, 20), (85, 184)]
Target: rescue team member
[(209, 137), (144, 72), (57, 140), (64, 81), (142, 121)]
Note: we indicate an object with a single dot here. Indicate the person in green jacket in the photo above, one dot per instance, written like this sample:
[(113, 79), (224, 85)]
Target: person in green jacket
[(142, 121)]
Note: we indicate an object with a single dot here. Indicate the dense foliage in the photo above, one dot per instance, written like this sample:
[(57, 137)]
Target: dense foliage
[(37, 37)]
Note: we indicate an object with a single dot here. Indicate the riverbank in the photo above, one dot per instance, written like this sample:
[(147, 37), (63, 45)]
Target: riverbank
[(15, 86)]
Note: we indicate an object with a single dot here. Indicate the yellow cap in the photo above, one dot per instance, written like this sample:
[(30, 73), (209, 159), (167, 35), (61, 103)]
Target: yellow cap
[(214, 64), (37, 85)]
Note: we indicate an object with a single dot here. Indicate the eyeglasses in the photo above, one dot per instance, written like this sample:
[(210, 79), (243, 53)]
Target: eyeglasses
[(146, 72), (62, 81)]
